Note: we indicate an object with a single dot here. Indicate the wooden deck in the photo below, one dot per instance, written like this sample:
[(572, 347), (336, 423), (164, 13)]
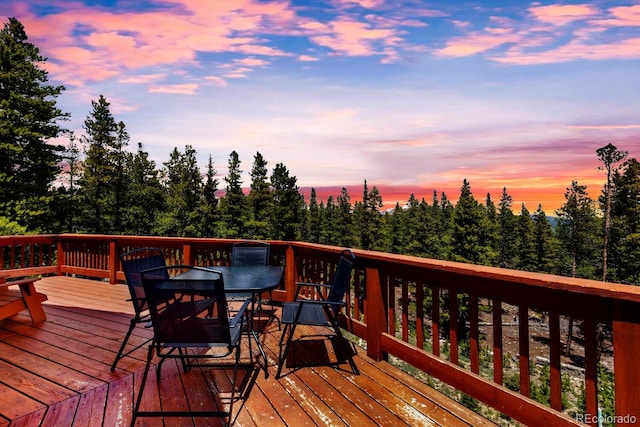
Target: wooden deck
[(57, 372)]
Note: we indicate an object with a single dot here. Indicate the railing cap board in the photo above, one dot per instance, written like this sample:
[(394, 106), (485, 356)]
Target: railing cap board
[(374, 259), (588, 287)]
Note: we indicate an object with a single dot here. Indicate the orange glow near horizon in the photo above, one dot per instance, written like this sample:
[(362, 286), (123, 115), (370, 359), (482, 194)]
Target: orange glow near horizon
[(550, 195)]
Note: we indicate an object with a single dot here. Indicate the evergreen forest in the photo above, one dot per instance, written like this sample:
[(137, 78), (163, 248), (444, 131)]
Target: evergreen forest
[(100, 183)]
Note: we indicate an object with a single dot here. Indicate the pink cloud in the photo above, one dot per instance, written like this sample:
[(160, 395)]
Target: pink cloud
[(543, 40), (477, 42), (623, 49), (563, 14), (252, 62), (355, 38), (217, 81), (143, 78), (118, 42), (367, 4), (177, 89), (624, 16)]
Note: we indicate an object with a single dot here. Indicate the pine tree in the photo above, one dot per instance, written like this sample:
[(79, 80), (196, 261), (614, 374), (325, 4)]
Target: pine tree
[(609, 155), (314, 220), (97, 183), (329, 228), (184, 193), (368, 219), (577, 231), (396, 224), (544, 243), (445, 226), (145, 198), (525, 244), (625, 224), (412, 227), (29, 119), (470, 238), (507, 223), (343, 220), (120, 184), (259, 200), (288, 205), (209, 207), (493, 229), (233, 206)]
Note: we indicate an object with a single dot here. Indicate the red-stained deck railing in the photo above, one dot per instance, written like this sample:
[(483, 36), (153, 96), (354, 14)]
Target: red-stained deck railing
[(390, 307)]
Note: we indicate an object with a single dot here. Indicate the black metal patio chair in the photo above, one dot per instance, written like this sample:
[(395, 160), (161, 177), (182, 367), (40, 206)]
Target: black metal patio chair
[(182, 331), (322, 311), (253, 252), (133, 262)]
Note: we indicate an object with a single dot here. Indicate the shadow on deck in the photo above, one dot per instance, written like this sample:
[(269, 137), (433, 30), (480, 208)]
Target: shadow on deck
[(57, 372)]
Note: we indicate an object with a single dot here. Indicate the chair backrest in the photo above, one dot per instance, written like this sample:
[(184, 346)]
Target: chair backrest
[(342, 278), (250, 252), (133, 262), (176, 306)]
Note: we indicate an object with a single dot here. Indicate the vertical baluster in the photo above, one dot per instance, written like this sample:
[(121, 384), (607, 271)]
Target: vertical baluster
[(554, 365), (523, 349), (474, 347), (41, 261), (590, 367), (391, 326), (405, 310), (453, 327), (497, 341), (357, 291), (420, 315), (435, 320)]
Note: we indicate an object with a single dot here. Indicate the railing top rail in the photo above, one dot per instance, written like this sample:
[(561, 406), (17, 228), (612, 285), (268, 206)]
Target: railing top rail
[(584, 287), (453, 270)]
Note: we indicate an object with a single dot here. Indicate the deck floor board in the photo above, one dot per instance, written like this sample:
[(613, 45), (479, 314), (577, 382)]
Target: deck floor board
[(57, 372)]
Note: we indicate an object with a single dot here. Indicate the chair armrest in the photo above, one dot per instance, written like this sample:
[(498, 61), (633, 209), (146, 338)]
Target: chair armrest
[(315, 285), (319, 302), (239, 315)]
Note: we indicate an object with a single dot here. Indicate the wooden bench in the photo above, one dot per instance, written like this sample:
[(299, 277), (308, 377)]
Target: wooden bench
[(19, 295)]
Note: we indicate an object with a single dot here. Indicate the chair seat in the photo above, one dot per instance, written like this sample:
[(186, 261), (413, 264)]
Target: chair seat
[(209, 330), (183, 308), (309, 315)]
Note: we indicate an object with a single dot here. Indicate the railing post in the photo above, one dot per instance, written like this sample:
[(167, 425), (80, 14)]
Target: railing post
[(186, 255), (374, 314), (626, 346), (60, 257), (290, 274), (113, 262)]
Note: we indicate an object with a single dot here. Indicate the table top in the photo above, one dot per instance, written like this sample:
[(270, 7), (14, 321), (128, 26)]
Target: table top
[(259, 278)]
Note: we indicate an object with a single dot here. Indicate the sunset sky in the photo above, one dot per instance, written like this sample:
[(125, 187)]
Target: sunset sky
[(412, 96)]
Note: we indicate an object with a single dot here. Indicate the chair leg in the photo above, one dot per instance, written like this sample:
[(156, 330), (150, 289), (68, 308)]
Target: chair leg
[(119, 356), (272, 314), (262, 353), (283, 352), (136, 409), (233, 383)]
